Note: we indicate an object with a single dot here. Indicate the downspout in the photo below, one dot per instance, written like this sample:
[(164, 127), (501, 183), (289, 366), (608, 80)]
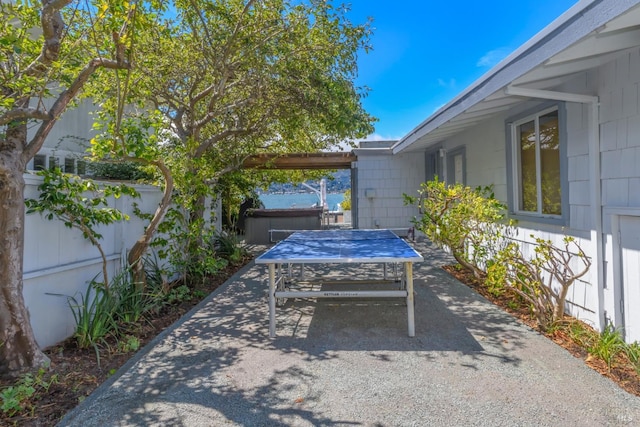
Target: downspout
[(594, 170)]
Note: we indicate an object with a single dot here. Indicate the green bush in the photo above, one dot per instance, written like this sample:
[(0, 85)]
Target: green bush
[(121, 171), (229, 246), (633, 354), (468, 222), (608, 345), (189, 247), (345, 204), (95, 316), (542, 281)]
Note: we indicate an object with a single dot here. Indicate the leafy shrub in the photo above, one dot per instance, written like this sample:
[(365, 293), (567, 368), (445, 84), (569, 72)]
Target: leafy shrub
[(466, 221), (230, 247), (180, 294), (128, 344), (122, 171), (20, 398), (345, 204), (79, 203), (542, 281), (633, 354), (582, 335), (188, 246), (95, 315), (608, 345)]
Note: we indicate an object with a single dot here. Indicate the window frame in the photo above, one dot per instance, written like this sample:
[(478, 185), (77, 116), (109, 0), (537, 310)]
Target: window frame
[(513, 168), (450, 159)]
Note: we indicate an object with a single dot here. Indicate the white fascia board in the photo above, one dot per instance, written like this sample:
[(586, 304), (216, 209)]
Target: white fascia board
[(551, 95), (548, 72), (599, 45), (579, 21)]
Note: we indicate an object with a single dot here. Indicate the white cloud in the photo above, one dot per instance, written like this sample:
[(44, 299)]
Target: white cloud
[(451, 83), (492, 57)]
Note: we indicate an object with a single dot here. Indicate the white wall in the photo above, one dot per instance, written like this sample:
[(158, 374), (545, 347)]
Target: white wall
[(59, 262), (617, 83), (384, 178)]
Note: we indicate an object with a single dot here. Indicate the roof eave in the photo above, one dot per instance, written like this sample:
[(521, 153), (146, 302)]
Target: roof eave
[(575, 24)]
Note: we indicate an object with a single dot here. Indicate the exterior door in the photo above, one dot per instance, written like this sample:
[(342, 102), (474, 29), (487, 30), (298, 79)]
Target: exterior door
[(630, 269)]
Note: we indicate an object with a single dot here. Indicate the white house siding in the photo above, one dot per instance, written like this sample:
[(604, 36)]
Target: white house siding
[(618, 87), (384, 178), (617, 83), (59, 263)]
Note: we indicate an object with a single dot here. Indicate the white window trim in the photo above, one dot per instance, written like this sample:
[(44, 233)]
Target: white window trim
[(515, 162)]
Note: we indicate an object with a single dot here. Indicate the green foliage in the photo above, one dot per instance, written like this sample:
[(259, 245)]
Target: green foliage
[(179, 294), (632, 352), (95, 316), (543, 281), (466, 221), (582, 335), (125, 171), (608, 345), (188, 246), (21, 398), (132, 299), (79, 203), (496, 277), (230, 247), (128, 344), (346, 202)]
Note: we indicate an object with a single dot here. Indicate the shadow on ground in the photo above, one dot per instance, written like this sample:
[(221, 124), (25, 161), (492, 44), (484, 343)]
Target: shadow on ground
[(344, 362)]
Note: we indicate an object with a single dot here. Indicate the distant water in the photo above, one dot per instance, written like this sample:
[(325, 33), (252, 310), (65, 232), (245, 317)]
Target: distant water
[(299, 200)]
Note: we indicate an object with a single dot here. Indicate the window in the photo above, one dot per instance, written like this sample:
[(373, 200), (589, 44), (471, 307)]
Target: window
[(39, 162), (82, 167), (69, 165), (53, 162), (456, 166), (433, 164), (537, 165)]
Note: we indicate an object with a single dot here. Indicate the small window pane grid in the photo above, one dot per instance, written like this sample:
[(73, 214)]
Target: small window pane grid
[(537, 140), (67, 164)]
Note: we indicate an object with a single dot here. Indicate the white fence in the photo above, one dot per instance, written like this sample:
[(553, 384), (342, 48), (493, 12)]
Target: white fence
[(59, 262)]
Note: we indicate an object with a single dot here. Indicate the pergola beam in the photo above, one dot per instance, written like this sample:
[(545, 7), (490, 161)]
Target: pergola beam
[(338, 160)]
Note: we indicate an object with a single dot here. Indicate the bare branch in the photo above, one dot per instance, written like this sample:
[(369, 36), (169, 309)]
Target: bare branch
[(23, 114), (63, 101), (52, 29)]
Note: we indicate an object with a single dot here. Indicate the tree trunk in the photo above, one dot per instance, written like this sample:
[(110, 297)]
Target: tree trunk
[(140, 247), (19, 351)]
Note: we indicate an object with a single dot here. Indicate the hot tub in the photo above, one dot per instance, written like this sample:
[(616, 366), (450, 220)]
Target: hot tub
[(260, 221)]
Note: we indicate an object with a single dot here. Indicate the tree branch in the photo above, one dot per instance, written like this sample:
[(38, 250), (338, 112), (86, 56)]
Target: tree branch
[(23, 113), (63, 101)]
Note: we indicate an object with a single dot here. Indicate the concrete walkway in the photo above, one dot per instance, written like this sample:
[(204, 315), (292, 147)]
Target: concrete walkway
[(350, 363)]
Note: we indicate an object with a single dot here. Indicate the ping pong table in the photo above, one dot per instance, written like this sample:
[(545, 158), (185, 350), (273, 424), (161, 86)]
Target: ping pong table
[(377, 246)]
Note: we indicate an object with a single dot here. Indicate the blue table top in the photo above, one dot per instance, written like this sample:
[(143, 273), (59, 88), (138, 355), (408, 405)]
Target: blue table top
[(340, 246)]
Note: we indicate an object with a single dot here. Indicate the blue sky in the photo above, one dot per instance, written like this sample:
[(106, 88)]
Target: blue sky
[(425, 52)]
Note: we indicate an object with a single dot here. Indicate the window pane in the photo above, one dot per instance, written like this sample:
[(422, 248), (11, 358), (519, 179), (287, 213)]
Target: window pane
[(82, 167), (53, 162), (69, 165), (550, 164), (528, 183), (39, 162)]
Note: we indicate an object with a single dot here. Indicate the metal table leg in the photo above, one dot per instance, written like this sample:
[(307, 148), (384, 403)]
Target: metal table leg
[(272, 300), (408, 267)]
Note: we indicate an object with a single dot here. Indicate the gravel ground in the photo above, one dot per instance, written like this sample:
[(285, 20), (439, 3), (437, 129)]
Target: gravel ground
[(351, 363)]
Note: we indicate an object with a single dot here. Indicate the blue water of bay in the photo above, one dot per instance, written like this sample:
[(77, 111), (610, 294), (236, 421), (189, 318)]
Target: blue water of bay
[(299, 200)]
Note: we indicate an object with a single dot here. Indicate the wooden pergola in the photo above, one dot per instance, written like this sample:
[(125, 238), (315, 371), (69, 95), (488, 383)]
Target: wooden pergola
[(333, 160)]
